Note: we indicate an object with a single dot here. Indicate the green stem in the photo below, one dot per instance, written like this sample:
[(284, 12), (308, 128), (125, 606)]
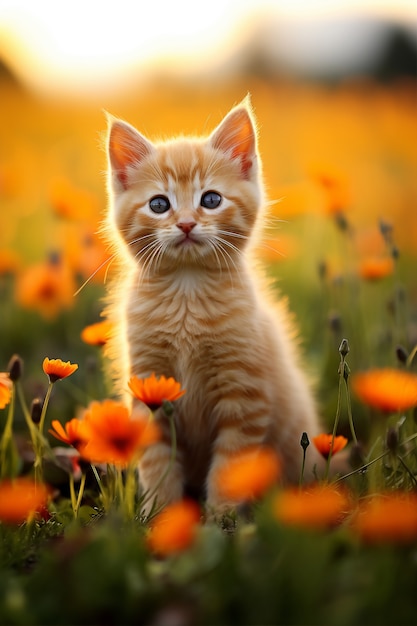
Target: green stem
[(349, 411), (31, 426), (337, 416), (411, 356), (72, 494), (407, 469), (45, 407), (40, 441), (362, 468), (301, 481), (80, 494)]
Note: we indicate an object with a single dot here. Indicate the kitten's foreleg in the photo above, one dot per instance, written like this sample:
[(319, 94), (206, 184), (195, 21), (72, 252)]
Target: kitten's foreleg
[(237, 432), (161, 474)]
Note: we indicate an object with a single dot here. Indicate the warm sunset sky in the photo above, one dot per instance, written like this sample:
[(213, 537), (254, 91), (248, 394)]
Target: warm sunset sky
[(82, 44)]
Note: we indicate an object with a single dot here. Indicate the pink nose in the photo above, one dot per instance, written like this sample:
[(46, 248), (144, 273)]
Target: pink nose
[(186, 227)]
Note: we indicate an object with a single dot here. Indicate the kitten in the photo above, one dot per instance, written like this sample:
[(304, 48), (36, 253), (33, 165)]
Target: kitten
[(187, 304)]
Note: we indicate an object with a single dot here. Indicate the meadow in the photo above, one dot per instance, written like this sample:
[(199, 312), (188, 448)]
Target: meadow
[(340, 165)]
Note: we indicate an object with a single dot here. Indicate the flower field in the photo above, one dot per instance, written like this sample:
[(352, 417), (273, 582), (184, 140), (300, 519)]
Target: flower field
[(340, 167)]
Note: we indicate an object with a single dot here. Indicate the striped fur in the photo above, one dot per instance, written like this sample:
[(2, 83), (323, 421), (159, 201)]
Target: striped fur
[(191, 306)]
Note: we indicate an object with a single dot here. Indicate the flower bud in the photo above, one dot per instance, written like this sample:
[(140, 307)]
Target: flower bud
[(36, 410), (167, 407), (392, 439), (15, 368), (304, 441), (402, 354), (344, 348)]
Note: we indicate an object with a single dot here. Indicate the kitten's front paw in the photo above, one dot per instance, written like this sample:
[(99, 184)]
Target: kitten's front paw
[(222, 514)]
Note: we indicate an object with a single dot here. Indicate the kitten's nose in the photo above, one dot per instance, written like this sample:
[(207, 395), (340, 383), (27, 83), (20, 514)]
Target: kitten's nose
[(186, 227)]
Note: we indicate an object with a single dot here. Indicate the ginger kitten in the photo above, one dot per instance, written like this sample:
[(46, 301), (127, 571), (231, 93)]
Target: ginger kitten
[(186, 303)]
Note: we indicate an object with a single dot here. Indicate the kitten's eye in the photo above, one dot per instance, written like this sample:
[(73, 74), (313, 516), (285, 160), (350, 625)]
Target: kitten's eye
[(159, 204), (210, 200)]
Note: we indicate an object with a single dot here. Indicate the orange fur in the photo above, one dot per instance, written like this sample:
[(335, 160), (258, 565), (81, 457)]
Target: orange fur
[(188, 304)]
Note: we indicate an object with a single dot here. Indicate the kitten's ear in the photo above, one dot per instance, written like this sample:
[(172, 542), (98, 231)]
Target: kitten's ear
[(236, 136), (126, 149)]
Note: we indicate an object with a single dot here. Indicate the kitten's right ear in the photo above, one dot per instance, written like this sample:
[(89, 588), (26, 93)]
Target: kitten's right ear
[(126, 149)]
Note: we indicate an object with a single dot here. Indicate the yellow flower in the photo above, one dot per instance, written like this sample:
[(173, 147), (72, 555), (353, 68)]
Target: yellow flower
[(57, 369), (21, 498), (248, 474), (152, 391), (388, 390), (317, 507), (323, 444), (174, 529), (389, 518)]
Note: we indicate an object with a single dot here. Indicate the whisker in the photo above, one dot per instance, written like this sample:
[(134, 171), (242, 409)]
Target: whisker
[(232, 234), (109, 261)]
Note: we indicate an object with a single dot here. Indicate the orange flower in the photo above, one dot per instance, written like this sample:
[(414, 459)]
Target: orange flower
[(97, 334), (153, 391), (335, 188), (388, 390), (47, 287), (175, 528), (57, 369), (374, 268), (72, 434), (323, 444), (21, 498), (9, 262), (5, 389), (318, 507), (390, 518), (86, 251), (72, 202), (248, 474), (115, 436)]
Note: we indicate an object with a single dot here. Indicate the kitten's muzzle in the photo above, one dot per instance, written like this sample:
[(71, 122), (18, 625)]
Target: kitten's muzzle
[(186, 226)]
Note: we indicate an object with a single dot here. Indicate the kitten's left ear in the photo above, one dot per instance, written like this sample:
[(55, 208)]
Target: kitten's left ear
[(126, 149), (236, 136)]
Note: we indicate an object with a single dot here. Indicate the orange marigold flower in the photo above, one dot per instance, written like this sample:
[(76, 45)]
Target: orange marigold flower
[(335, 188), (72, 433), (86, 251), (317, 507), (390, 518), (153, 391), (5, 389), (323, 443), (248, 474), (9, 262), (389, 390), (47, 287), (97, 334), (57, 369), (114, 435), (374, 268), (175, 528), (21, 498), (72, 202)]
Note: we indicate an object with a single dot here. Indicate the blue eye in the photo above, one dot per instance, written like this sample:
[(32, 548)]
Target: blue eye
[(159, 204), (210, 200)]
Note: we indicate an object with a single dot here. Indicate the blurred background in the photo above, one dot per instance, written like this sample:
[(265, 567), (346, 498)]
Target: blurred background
[(333, 85)]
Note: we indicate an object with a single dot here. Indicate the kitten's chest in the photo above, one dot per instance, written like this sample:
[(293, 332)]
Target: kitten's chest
[(182, 313)]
